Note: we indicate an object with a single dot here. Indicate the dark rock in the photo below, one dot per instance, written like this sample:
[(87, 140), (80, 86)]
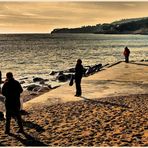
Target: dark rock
[(43, 81), (62, 77), (36, 89), (24, 78), (43, 89), (49, 86), (46, 80), (53, 73), (37, 79), (93, 69), (22, 82), (32, 86)]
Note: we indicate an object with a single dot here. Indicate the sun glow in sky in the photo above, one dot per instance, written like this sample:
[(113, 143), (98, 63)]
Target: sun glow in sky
[(20, 17)]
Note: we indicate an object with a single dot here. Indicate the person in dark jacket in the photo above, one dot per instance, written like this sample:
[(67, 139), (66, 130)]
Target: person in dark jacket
[(126, 54), (12, 90), (79, 70)]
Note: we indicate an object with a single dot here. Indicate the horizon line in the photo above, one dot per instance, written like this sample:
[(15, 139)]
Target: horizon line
[(25, 32), (73, 1)]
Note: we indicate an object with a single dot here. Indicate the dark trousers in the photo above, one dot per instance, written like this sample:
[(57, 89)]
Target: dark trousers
[(78, 86), (16, 115), (126, 59)]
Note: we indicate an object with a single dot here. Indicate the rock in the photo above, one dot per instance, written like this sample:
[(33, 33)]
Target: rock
[(37, 79), (32, 86), (23, 78), (43, 82), (43, 89), (62, 77), (53, 73), (93, 69), (36, 89), (49, 86), (88, 71), (22, 82)]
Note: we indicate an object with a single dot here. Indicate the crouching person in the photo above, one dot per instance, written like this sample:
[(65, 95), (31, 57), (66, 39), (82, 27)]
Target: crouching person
[(12, 90)]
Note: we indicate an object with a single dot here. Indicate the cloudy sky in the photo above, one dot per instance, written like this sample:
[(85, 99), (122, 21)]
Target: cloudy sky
[(45, 16)]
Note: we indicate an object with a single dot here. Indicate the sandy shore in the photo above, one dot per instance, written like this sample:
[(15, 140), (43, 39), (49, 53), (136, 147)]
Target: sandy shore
[(112, 112), (111, 121)]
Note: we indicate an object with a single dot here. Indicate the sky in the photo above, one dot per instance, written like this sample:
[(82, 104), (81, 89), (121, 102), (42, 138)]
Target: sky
[(37, 16)]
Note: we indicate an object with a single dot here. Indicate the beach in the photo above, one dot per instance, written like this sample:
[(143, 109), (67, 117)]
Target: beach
[(112, 111), (116, 121)]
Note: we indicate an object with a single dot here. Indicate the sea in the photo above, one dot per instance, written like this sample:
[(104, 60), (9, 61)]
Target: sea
[(37, 55)]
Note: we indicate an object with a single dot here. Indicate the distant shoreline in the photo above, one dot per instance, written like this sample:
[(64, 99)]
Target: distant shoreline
[(72, 33)]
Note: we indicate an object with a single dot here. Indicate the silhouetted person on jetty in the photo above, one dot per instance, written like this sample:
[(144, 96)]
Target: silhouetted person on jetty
[(126, 54), (12, 90), (79, 70)]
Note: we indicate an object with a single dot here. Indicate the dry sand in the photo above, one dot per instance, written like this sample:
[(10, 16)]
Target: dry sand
[(114, 121)]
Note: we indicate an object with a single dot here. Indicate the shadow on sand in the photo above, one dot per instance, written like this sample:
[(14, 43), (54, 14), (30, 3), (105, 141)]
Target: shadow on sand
[(105, 102), (143, 64), (31, 125), (28, 141)]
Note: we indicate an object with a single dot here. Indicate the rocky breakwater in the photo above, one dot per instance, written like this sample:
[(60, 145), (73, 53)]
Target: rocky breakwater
[(36, 86), (63, 76), (39, 85)]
